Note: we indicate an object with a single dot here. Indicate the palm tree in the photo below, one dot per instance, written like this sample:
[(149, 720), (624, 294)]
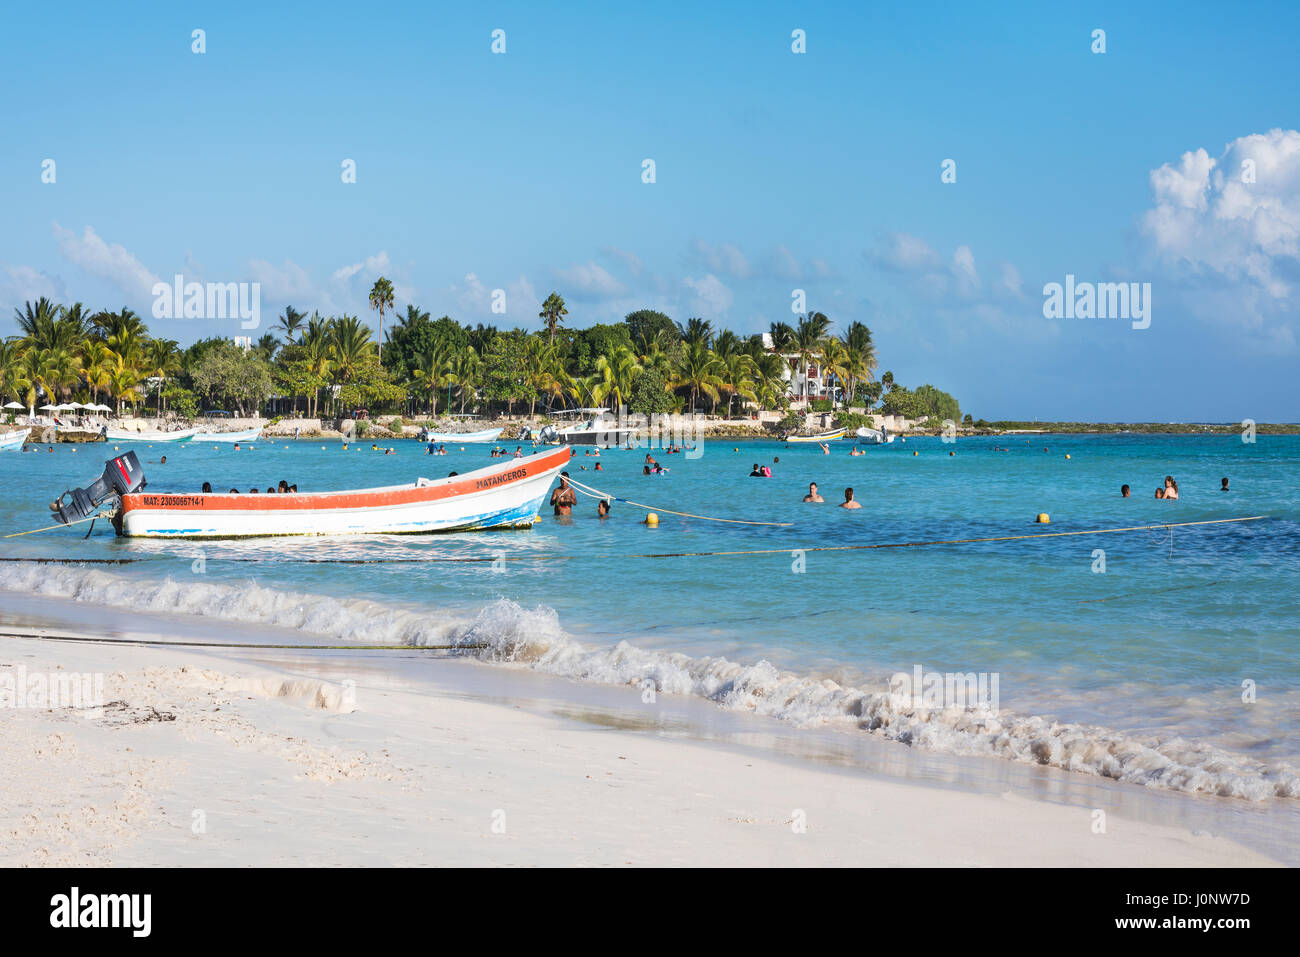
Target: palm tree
[(736, 372), (553, 312), (807, 340), (290, 323), (465, 370), (350, 346), (698, 372), (97, 361), (543, 371), (862, 355), (162, 360), (12, 381), (381, 298), (316, 350), (618, 373), (696, 331), (431, 370)]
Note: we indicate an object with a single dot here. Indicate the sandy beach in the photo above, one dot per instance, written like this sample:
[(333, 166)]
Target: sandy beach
[(200, 761)]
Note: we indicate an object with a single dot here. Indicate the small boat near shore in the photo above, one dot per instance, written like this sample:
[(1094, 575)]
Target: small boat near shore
[(508, 494), (130, 435), (868, 436), (243, 435), (13, 441), (823, 437), (485, 435)]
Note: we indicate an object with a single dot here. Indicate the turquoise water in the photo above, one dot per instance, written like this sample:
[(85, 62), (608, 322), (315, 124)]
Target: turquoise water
[(1147, 658)]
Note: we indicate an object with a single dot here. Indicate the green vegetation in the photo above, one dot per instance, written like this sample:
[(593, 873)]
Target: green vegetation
[(331, 366)]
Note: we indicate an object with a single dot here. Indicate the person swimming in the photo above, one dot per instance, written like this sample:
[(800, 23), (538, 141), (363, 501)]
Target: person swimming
[(207, 487), (564, 498), (1223, 484), (812, 495), (602, 507), (1160, 492), (756, 472), (848, 500), (1171, 487), (1123, 491)]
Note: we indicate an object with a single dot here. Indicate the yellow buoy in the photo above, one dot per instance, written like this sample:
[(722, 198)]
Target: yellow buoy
[(914, 453), (1067, 455), (1043, 519), (652, 519)]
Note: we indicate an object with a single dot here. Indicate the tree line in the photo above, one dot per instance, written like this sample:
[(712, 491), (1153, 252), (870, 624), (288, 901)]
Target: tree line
[(328, 366)]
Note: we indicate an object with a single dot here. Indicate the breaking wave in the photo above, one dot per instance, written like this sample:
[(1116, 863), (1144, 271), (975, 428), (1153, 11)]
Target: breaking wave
[(508, 633)]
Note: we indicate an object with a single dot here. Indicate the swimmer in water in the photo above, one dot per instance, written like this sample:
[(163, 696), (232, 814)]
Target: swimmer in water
[(848, 500), (757, 472), (825, 449), (1160, 493), (1171, 487), (812, 495), (1224, 484), (564, 498), (1123, 491), (602, 508)]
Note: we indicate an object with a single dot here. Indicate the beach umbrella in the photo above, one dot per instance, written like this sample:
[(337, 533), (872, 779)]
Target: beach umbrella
[(49, 408), (14, 405), (66, 407)]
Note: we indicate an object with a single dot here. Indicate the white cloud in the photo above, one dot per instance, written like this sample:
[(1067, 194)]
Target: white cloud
[(631, 261), (1208, 217), (473, 298), (372, 266), (589, 281), (725, 258), (711, 298), (288, 283), (20, 284), (107, 261), (964, 272), (903, 252), (1228, 231)]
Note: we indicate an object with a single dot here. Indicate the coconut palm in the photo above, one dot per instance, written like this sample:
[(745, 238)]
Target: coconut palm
[(12, 381), (552, 314), (290, 322), (696, 332), (431, 371), (162, 360), (618, 374), (808, 335), (381, 298), (97, 360), (466, 368), (698, 373), (350, 346)]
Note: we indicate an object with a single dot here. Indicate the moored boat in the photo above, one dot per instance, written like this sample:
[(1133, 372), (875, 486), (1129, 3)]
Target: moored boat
[(505, 495), (869, 436), (13, 441), (486, 435), (130, 435), (243, 435), (823, 437)]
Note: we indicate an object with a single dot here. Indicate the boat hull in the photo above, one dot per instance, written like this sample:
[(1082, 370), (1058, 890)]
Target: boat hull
[(604, 437), (826, 437), (866, 436), (487, 435), (127, 435), (13, 441), (506, 495), (246, 435)]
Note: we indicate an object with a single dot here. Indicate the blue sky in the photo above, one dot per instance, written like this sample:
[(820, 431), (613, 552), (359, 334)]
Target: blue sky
[(775, 171)]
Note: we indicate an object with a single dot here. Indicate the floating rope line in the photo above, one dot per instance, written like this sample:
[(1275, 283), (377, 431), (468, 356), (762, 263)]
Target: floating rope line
[(597, 493), (234, 644), (571, 558), (88, 518)]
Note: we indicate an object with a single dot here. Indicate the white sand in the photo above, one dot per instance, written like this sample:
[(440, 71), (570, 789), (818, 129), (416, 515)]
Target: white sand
[(279, 770)]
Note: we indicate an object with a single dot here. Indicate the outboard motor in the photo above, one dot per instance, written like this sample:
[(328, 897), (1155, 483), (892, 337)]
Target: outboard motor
[(122, 475), (548, 434)]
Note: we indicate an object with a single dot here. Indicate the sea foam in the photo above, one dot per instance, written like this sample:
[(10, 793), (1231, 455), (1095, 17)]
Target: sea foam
[(506, 633)]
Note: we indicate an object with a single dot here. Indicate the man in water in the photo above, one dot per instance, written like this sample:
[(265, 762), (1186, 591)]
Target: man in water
[(848, 500), (757, 472), (812, 495), (602, 508), (1123, 491), (564, 498), (1224, 482)]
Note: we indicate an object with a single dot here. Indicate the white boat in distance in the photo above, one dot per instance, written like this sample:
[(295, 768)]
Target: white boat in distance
[(504, 495), (130, 435), (823, 437), (244, 435), (868, 436), (13, 441), (486, 435), (595, 430)]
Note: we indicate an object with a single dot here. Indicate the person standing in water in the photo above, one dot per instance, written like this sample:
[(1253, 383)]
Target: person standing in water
[(564, 497), (848, 500), (812, 495)]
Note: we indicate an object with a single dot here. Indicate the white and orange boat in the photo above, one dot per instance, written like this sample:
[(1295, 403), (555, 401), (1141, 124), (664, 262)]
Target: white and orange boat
[(504, 495)]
